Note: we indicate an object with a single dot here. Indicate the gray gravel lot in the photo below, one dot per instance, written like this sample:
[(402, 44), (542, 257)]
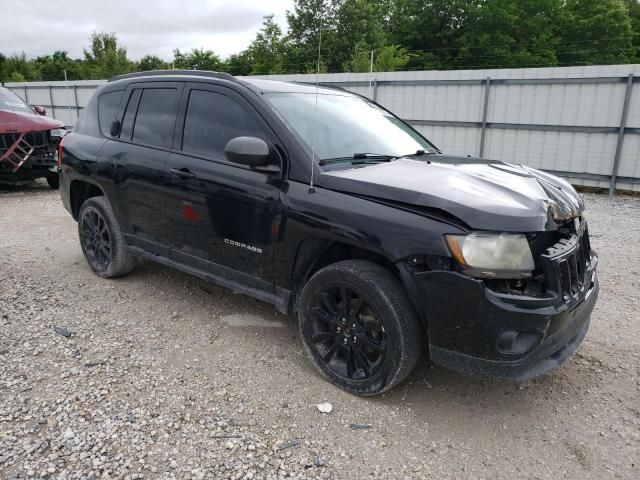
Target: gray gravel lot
[(160, 375)]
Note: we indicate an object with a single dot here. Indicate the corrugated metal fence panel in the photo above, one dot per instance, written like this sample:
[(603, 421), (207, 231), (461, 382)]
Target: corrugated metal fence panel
[(588, 105), (63, 100), (563, 119)]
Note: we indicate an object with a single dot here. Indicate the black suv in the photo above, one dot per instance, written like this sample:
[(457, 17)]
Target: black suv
[(323, 203)]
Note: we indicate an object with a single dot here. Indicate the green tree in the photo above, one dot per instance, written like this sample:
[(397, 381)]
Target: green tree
[(386, 59), (596, 33), (267, 49), (391, 58), (318, 67), (151, 62), (360, 61), (105, 58), (238, 64), (430, 30), (21, 69), (360, 25), (197, 59), (53, 67), (308, 21), (633, 10), (4, 68), (504, 33), (17, 77)]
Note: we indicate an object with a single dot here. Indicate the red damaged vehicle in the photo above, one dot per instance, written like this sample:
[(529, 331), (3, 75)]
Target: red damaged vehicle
[(28, 141)]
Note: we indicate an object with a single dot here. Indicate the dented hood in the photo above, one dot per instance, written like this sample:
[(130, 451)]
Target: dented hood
[(485, 195), (18, 122)]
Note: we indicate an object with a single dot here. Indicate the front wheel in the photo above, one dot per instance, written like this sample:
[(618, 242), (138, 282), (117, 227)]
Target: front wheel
[(101, 240), (53, 180), (358, 327)]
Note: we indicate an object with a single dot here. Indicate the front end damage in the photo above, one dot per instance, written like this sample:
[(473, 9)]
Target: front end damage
[(27, 146), (519, 301), (513, 329), (27, 156)]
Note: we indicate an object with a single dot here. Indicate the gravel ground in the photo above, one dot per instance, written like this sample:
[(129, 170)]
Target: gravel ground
[(160, 375)]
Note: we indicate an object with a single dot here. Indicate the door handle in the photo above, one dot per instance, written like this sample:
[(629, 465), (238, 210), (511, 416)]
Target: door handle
[(182, 173)]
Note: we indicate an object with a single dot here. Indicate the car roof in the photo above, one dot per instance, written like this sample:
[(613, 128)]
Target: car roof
[(259, 85)]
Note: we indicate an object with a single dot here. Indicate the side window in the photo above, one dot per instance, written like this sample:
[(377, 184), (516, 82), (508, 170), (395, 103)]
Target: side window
[(212, 120), (130, 115), (156, 117), (108, 105)]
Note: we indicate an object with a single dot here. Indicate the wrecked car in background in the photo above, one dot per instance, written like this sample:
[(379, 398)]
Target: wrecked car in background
[(28, 141)]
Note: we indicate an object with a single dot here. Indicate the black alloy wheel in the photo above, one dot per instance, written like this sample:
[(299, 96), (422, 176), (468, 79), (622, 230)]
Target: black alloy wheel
[(102, 242), (358, 327), (96, 239), (346, 333)]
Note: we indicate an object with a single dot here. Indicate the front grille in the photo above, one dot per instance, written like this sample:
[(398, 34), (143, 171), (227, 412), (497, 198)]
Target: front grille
[(42, 156), (566, 264), (36, 139)]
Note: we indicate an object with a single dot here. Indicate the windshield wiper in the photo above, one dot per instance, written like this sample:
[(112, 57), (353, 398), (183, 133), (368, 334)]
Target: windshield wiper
[(360, 158)]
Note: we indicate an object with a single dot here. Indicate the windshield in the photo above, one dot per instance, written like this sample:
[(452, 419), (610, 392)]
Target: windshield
[(346, 126), (11, 102)]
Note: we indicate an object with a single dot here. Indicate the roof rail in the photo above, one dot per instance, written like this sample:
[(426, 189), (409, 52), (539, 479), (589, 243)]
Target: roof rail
[(321, 84), (154, 73)]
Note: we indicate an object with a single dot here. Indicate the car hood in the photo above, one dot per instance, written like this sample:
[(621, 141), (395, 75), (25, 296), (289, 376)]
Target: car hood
[(485, 195), (17, 122)]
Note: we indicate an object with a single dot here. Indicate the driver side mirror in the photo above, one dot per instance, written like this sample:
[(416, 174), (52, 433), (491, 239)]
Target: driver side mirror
[(40, 110), (252, 152)]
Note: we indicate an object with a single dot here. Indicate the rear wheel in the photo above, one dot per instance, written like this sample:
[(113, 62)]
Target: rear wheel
[(102, 242), (358, 327)]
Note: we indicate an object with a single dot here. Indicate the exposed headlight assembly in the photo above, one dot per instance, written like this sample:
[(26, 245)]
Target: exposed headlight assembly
[(59, 132), (492, 255)]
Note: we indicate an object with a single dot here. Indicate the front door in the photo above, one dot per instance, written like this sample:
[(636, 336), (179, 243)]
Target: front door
[(222, 216)]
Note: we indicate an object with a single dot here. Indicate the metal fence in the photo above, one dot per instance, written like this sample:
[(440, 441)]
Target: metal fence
[(582, 123)]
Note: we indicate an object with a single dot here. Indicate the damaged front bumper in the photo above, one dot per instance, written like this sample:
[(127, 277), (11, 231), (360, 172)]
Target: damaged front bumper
[(475, 330), (27, 156)]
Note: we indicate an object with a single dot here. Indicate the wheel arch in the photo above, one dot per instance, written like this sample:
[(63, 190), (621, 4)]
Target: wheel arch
[(79, 192), (313, 254)]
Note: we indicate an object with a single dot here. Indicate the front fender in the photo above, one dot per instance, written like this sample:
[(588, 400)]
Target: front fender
[(312, 221)]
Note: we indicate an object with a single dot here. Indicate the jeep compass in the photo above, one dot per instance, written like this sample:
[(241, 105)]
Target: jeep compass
[(327, 205)]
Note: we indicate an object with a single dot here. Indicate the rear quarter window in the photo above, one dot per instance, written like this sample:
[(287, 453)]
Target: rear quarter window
[(108, 105)]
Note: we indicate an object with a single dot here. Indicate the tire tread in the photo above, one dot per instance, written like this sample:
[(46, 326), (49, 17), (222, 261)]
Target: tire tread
[(388, 286), (122, 262)]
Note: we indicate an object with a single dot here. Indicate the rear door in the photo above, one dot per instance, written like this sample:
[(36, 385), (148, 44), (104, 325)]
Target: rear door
[(221, 215), (138, 158)]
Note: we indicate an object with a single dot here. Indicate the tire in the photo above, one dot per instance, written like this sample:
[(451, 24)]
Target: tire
[(376, 343), (101, 240), (53, 180)]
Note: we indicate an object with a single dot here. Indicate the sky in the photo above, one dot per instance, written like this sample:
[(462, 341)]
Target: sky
[(151, 27)]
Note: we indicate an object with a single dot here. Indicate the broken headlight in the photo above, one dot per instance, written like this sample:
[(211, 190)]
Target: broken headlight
[(492, 255)]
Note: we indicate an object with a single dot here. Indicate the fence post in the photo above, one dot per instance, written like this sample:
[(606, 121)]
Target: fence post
[(75, 99), (623, 126), (483, 133), (375, 89), (53, 110)]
